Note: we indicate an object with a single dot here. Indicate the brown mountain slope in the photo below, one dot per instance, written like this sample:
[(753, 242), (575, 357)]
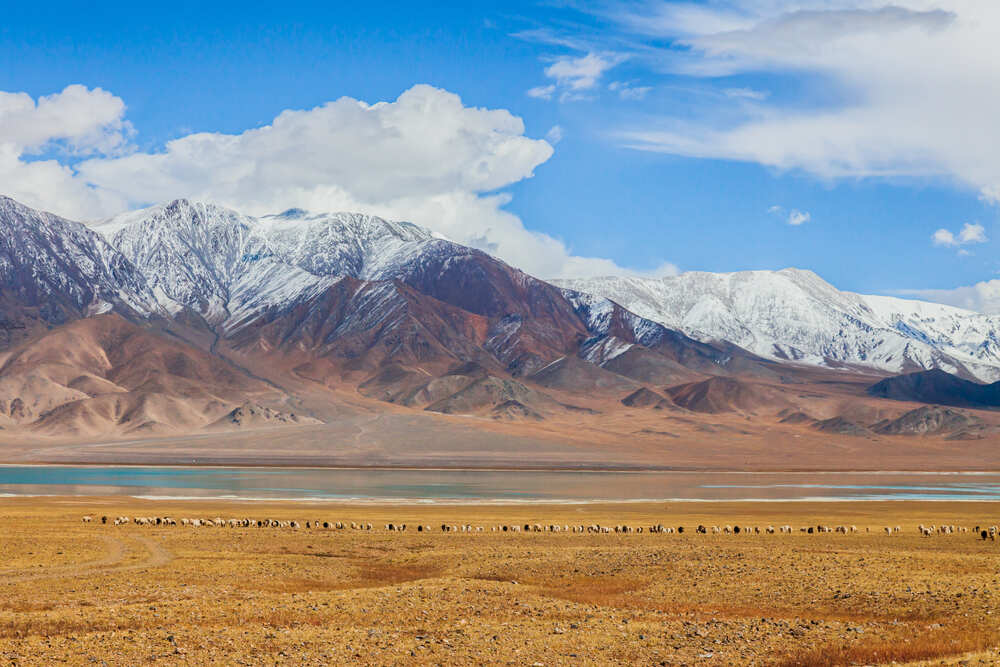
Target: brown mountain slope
[(132, 414), (575, 375), (646, 398), (251, 415), (488, 393), (726, 394), (931, 420), (355, 328), (106, 375)]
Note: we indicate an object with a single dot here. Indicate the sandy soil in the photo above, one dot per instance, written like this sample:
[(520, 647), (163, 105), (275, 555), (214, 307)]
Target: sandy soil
[(83, 593)]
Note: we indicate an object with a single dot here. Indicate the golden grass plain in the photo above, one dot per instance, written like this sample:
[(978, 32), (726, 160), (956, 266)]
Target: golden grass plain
[(88, 593)]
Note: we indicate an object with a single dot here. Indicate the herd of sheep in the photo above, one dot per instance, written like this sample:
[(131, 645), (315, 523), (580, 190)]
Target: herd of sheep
[(983, 532)]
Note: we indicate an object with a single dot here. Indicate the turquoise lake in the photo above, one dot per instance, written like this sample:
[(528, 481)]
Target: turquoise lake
[(469, 485)]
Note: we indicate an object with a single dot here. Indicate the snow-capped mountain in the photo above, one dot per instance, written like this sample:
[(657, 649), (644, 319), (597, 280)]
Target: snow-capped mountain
[(63, 268), (208, 258), (361, 246), (795, 315), (239, 271), (228, 266), (244, 275)]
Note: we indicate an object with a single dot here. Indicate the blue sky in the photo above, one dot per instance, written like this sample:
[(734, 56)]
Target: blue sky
[(684, 134)]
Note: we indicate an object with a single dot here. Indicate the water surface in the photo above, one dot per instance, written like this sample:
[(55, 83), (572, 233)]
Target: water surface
[(478, 485)]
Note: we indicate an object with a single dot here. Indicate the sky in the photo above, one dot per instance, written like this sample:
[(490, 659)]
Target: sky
[(855, 138)]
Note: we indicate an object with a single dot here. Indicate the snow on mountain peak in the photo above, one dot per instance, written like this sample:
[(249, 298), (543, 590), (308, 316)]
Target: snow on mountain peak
[(794, 314), (352, 244), (47, 259), (226, 265)]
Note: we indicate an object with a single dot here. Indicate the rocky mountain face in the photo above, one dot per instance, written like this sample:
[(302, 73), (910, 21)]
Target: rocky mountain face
[(795, 315), (53, 271), (152, 321)]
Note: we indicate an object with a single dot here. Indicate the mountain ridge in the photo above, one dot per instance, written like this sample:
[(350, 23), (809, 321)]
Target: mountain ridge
[(795, 315)]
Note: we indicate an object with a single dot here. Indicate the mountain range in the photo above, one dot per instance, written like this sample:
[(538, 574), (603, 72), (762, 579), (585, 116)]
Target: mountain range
[(795, 315), (192, 318)]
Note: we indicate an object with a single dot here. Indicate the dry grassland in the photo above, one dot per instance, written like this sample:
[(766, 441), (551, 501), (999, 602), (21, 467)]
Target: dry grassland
[(86, 594)]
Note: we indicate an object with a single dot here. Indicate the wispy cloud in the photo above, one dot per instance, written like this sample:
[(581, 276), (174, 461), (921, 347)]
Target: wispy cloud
[(542, 92), (908, 86), (627, 90), (983, 297), (746, 94), (914, 83)]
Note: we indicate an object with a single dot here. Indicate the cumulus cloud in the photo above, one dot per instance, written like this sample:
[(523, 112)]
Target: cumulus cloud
[(969, 234), (75, 122), (909, 85), (425, 157), (78, 119)]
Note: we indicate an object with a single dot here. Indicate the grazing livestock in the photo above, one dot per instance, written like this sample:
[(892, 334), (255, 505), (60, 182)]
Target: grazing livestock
[(979, 532)]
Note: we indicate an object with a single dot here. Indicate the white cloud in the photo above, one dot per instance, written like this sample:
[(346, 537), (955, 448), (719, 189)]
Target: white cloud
[(78, 119), (972, 233), (425, 157), (542, 92), (746, 94), (983, 297), (574, 75), (581, 73), (554, 135), (943, 237), (794, 217), (969, 234), (75, 122), (909, 86), (628, 91), (797, 217)]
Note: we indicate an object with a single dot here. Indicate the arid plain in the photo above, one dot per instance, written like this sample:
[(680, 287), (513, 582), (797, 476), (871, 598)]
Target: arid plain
[(93, 593)]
